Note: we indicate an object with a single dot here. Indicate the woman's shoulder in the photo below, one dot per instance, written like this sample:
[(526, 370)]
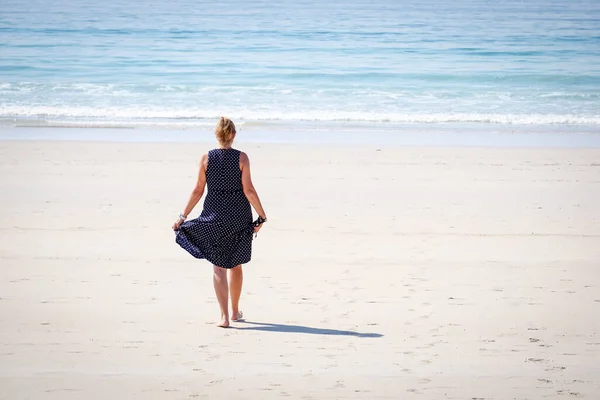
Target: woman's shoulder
[(243, 156), (204, 159)]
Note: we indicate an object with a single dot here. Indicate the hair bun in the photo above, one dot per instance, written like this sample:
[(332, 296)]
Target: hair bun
[(225, 131)]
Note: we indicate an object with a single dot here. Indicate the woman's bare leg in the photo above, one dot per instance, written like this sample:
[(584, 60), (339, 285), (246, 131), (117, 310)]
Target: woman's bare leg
[(236, 278), (220, 283)]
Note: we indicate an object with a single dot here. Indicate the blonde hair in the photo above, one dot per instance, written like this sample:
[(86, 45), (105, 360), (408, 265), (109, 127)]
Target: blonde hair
[(225, 131)]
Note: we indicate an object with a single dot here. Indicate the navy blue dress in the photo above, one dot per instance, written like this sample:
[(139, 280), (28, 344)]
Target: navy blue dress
[(222, 234)]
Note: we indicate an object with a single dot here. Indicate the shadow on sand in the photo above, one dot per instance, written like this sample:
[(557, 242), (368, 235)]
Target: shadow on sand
[(268, 327)]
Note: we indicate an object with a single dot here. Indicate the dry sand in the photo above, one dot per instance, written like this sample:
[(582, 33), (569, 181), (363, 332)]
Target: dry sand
[(397, 273)]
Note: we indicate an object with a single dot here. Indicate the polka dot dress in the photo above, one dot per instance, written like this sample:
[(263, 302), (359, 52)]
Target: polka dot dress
[(222, 234)]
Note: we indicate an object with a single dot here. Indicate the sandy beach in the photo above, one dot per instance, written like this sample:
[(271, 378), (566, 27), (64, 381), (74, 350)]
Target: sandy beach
[(383, 273)]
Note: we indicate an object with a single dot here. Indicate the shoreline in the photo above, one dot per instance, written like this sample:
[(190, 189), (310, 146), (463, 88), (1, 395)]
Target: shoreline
[(405, 136)]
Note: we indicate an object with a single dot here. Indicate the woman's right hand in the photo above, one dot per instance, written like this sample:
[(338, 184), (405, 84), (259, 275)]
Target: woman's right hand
[(177, 224)]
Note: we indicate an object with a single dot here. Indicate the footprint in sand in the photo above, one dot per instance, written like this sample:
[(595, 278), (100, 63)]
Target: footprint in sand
[(567, 392), (537, 360), (339, 385)]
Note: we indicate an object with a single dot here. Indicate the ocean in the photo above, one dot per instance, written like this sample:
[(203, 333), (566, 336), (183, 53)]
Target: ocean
[(179, 65)]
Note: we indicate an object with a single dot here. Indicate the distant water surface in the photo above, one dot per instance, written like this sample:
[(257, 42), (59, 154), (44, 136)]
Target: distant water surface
[(181, 64)]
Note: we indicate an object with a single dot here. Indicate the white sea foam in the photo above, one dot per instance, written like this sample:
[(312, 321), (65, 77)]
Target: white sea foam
[(156, 116)]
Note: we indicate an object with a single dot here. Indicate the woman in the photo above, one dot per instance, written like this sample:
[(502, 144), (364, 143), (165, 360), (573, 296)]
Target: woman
[(222, 234)]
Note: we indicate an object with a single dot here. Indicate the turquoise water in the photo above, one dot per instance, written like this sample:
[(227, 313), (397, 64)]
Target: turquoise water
[(181, 64)]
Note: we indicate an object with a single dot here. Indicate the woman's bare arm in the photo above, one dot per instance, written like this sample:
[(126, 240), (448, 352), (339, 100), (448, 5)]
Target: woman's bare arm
[(197, 193), (249, 189)]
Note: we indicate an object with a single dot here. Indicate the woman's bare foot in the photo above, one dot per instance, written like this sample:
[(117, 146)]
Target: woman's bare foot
[(237, 316), (224, 323)]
